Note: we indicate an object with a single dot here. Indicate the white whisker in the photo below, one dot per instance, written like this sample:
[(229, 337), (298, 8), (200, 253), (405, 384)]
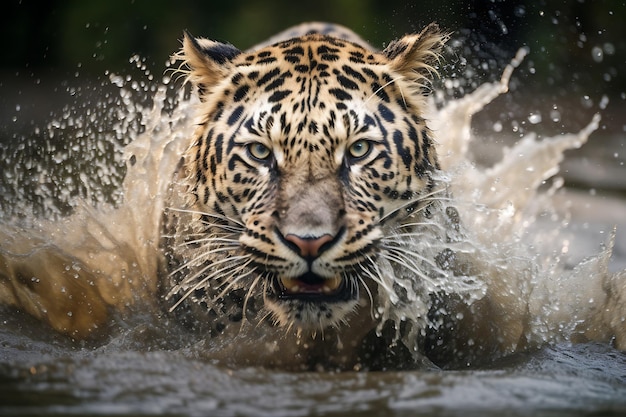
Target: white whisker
[(269, 315), (203, 213), (210, 240), (383, 86), (427, 198), (369, 295), (406, 254), (377, 279), (202, 257), (412, 224), (236, 268), (394, 238), (192, 278), (408, 265), (249, 294), (236, 280)]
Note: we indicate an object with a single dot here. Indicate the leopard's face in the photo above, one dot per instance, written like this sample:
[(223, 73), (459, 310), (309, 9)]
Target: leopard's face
[(308, 152)]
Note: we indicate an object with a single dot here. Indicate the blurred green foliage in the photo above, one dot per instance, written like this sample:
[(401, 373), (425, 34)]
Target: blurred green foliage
[(57, 36)]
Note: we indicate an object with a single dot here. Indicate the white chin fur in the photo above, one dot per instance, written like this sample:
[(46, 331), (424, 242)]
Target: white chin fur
[(309, 315)]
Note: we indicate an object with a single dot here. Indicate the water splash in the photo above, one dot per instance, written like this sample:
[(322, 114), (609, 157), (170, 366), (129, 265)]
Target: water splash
[(103, 255), (106, 255)]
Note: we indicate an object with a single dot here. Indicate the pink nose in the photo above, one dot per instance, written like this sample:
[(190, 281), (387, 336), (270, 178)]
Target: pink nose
[(309, 246)]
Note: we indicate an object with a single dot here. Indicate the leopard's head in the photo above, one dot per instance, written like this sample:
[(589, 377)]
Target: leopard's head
[(307, 154)]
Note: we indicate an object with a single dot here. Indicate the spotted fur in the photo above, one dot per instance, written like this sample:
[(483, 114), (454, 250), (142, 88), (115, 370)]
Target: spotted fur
[(308, 152)]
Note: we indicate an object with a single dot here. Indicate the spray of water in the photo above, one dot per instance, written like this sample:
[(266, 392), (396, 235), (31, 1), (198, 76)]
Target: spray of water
[(72, 270)]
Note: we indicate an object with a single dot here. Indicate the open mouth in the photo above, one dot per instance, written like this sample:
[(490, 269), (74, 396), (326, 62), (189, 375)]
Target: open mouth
[(313, 287)]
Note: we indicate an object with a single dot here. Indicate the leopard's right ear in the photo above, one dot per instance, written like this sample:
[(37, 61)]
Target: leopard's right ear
[(208, 61)]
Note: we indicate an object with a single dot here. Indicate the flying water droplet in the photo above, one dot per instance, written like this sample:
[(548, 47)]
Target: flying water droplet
[(597, 54), (534, 118)]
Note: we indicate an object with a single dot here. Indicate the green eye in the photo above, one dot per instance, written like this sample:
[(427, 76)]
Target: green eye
[(259, 151), (359, 149)]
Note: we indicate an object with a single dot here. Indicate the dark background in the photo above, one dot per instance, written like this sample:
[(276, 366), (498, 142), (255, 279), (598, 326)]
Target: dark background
[(45, 35), (59, 37), (53, 48), (49, 45)]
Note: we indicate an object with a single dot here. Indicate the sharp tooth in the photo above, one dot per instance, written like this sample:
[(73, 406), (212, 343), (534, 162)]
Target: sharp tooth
[(294, 285), (333, 283), (289, 284)]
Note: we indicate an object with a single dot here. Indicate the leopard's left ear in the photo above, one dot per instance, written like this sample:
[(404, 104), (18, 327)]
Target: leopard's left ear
[(208, 61), (413, 56)]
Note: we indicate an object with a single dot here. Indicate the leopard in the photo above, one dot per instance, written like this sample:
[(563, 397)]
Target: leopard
[(309, 224), (311, 170)]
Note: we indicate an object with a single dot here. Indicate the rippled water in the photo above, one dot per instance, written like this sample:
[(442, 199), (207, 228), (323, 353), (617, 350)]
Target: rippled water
[(42, 378), (88, 223)]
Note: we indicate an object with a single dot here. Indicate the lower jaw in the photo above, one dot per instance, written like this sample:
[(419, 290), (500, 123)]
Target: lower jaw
[(306, 314)]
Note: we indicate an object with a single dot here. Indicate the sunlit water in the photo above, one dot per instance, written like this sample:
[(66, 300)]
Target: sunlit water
[(100, 228)]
